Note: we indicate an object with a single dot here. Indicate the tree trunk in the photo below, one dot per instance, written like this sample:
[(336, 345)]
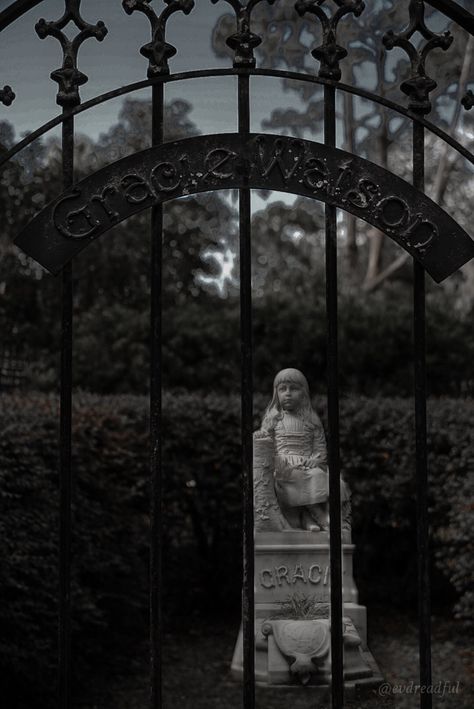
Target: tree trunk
[(445, 165)]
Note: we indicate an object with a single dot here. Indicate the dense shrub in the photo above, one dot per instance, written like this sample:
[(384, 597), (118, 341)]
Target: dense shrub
[(201, 517), (375, 334), (378, 459), (108, 584)]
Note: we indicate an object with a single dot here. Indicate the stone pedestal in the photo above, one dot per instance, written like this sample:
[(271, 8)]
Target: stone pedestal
[(292, 567)]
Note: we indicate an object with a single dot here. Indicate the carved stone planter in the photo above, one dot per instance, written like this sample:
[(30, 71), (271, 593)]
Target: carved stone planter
[(306, 643)]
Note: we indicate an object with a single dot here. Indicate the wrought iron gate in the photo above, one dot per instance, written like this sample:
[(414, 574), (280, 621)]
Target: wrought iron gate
[(245, 161)]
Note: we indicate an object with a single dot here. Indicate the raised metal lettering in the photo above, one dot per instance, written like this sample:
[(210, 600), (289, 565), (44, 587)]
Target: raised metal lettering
[(393, 212), (345, 173), (276, 159), (316, 174), (215, 160), (362, 195), (101, 199), (165, 177), (134, 184), (66, 229)]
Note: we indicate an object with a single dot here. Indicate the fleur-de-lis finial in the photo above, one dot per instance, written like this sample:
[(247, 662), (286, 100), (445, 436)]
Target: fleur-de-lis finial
[(69, 77), (468, 100), (243, 42), (7, 96), (330, 52), (158, 51), (419, 85)]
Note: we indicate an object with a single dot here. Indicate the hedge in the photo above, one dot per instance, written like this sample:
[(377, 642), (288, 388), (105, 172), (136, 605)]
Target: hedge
[(201, 519), (375, 335)]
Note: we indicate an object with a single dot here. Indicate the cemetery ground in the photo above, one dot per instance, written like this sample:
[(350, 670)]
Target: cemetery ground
[(198, 652)]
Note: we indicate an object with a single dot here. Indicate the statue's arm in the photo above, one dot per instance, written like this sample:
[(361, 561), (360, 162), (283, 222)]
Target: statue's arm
[(267, 513)]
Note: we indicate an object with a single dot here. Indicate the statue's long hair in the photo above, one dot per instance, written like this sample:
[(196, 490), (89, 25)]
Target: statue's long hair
[(274, 413)]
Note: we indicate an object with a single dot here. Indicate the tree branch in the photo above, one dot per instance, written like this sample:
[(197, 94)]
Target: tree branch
[(445, 165)]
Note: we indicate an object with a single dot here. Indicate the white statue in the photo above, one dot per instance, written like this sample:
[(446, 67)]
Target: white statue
[(291, 447)]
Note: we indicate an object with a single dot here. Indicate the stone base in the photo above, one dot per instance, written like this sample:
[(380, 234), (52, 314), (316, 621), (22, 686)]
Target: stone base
[(296, 563), (293, 566), (272, 667)]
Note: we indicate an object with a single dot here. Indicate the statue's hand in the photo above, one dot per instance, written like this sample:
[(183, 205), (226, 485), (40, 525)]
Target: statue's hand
[(314, 461), (260, 434)]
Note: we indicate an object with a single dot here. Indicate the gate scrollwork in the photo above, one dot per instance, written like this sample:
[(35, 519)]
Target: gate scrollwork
[(68, 76), (158, 51), (7, 96), (468, 100), (419, 85), (244, 41), (330, 52)]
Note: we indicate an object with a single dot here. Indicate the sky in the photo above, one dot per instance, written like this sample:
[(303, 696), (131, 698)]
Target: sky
[(26, 62)]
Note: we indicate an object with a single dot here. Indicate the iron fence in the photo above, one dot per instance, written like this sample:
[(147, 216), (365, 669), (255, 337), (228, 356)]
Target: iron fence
[(245, 161)]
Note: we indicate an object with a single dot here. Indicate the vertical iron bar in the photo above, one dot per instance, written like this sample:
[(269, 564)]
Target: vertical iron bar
[(246, 413), (65, 467), (424, 600), (156, 520), (337, 672)]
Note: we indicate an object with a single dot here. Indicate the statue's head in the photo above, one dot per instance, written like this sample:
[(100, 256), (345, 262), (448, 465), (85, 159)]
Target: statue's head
[(293, 376), (290, 393), (290, 390)]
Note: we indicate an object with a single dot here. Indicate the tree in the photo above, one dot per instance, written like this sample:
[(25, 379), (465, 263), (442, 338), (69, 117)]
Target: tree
[(369, 130), (288, 249), (112, 275)]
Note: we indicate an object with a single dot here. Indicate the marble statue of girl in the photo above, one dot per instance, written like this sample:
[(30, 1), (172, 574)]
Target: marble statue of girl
[(300, 459)]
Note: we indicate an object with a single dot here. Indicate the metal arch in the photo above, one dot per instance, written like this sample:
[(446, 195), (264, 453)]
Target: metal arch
[(455, 12), (213, 73), (15, 10), (262, 161)]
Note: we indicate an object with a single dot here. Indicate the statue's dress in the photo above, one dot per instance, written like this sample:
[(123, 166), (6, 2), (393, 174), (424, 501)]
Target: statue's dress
[(297, 483)]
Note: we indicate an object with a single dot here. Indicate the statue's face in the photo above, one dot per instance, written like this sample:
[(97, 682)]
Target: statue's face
[(290, 395)]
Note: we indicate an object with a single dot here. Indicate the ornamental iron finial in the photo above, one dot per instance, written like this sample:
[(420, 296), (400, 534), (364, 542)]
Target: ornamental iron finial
[(330, 53), (7, 96), (468, 100), (243, 42), (69, 77), (419, 85), (158, 51)]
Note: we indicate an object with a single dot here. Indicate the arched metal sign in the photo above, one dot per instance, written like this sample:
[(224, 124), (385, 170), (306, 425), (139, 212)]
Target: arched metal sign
[(211, 162)]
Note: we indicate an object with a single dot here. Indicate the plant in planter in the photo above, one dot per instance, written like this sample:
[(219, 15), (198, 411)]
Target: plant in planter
[(301, 630)]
